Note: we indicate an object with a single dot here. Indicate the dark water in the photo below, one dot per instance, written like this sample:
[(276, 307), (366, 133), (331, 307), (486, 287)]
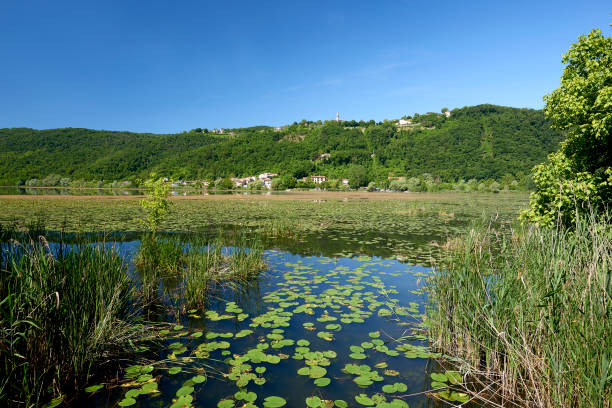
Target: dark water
[(328, 304)]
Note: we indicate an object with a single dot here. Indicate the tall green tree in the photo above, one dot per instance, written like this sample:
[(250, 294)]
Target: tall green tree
[(578, 178)]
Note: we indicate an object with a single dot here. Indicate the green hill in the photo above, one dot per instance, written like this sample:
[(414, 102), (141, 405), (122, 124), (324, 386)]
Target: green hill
[(481, 142)]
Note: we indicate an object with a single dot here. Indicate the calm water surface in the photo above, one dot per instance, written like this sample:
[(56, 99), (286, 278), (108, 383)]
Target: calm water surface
[(347, 317)]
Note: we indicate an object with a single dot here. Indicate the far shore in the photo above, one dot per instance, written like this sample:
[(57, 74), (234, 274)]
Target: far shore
[(274, 195)]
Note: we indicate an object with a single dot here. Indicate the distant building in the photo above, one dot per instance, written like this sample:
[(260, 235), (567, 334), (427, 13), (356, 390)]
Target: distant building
[(396, 178), (324, 156), (345, 182), (337, 116), (318, 179), (404, 122), (263, 176), (267, 182), (447, 113), (243, 182)]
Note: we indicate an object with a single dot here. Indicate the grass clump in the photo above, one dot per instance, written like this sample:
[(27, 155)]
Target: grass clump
[(64, 311), (197, 263), (529, 315)]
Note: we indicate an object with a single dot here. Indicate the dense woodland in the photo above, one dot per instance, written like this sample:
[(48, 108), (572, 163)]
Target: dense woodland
[(480, 142)]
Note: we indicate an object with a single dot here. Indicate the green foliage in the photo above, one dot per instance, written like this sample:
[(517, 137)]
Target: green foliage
[(63, 314), (578, 178), (535, 313), (157, 204), (507, 141), (562, 192), (357, 175)]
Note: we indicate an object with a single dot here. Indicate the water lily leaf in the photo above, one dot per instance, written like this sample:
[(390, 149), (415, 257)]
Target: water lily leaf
[(94, 388), (437, 385), (149, 388), (363, 381), (363, 399), (184, 390), (341, 404), (322, 382), (175, 370), (126, 402), (226, 403), (454, 377), (439, 377), (313, 402), (198, 379), (274, 402), (317, 372), (183, 402)]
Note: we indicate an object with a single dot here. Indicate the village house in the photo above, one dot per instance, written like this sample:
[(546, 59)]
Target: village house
[(263, 176), (345, 182), (447, 113), (318, 179), (242, 182), (396, 178), (267, 182), (404, 122)]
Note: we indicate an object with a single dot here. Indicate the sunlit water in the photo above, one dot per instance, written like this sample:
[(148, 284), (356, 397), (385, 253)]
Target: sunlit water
[(352, 319)]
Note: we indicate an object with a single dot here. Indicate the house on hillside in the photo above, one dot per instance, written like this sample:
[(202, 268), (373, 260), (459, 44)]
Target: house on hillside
[(263, 176), (318, 179), (345, 182), (403, 122)]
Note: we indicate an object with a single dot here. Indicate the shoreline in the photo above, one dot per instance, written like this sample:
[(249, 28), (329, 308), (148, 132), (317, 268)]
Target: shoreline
[(281, 195)]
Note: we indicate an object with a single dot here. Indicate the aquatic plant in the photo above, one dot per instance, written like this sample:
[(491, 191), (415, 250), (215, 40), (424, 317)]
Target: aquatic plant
[(64, 310), (210, 263), (528, 315), (156, 204)]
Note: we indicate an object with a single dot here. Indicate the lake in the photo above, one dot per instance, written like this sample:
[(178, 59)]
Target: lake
[(335, 318)]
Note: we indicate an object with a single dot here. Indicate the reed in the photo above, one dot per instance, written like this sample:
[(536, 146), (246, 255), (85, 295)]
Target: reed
[(213, 264), (528, 315), (64, 310), (198, 263)]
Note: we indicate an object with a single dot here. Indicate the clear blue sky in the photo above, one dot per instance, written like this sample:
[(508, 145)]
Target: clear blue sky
[(167, 66)]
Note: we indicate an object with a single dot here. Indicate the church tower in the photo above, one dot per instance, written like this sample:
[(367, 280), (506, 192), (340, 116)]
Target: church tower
[(337, 116)]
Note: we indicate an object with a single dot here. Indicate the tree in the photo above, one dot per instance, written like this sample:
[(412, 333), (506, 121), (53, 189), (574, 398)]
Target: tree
[(578, 178), (357, 175), (156, 204)]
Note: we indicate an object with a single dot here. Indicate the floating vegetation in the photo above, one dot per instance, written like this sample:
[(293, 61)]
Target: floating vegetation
[(331, 331), (313, 316)]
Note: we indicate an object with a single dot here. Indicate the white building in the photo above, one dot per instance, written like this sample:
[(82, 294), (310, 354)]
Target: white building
[(267, 175), (318, 179)]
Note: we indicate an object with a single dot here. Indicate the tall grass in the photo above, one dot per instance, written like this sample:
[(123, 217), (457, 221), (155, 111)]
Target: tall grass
[(198, 263), (529, 314), (63, 312)]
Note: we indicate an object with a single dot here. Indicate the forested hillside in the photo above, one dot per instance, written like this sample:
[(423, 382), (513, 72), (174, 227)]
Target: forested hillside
[(480, 142)]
